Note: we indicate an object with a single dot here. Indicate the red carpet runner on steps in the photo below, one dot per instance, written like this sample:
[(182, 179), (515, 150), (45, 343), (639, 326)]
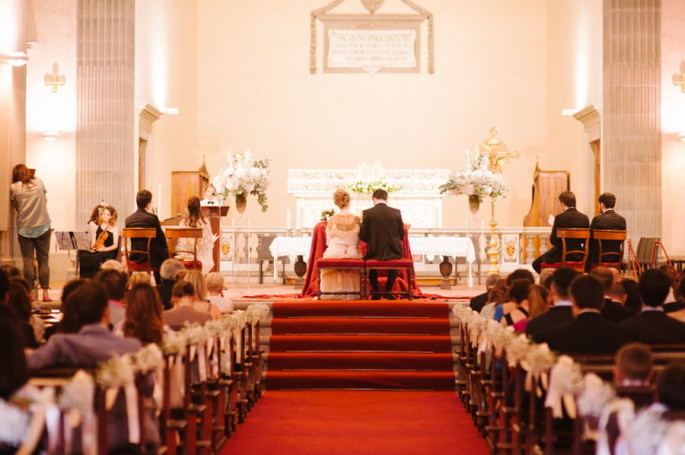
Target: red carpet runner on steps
[(346, 422), (360, 345)]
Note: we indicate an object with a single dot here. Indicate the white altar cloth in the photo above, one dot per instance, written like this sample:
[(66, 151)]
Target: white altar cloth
[(445, 246), (291, 247)]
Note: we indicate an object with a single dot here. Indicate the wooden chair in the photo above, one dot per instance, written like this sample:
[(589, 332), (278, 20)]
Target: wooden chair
[(394, 264), (138, 233), (173, 234), (602, 235), (342, 264), (566, 234)]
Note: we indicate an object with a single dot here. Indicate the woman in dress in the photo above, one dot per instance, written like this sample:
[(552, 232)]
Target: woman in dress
[(104, 241), (205, 245), (27, 194), (143, 318), (342, 238)]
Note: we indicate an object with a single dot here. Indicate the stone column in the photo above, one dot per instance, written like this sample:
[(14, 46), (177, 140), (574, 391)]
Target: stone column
[(631, 130), (105, 132)]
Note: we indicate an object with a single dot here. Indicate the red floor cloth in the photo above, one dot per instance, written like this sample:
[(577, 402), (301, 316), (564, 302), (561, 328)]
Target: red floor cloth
[(351, 308), (368, 326), (360, 423), (359, 360)]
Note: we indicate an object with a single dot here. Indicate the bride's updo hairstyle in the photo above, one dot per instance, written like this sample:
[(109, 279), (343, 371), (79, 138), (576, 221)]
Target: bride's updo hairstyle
[(341, 198)]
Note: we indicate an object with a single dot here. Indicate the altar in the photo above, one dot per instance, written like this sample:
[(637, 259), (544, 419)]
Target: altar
[(415, 192)]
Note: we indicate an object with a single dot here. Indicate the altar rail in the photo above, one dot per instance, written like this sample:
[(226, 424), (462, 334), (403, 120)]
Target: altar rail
[(518, 245)]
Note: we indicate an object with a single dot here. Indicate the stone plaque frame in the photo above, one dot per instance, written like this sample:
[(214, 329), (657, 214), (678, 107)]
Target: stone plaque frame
[(371, 24)]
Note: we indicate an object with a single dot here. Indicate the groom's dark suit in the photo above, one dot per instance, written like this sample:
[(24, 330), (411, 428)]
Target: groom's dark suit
[(383, 230)]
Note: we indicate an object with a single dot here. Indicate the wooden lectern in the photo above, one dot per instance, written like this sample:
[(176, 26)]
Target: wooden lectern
[(214, 213)]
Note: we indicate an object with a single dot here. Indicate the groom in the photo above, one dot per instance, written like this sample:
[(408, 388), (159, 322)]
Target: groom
[(383, 230)]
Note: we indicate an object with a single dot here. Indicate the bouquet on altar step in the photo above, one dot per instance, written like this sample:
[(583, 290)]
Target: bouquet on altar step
[(243, 176), (477, 180)]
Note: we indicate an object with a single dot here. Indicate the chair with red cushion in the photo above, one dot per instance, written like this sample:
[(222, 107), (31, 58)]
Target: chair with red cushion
[(138, 233), (403, 264), (173, 234), (602, 235), (564, 235), (342, 264)]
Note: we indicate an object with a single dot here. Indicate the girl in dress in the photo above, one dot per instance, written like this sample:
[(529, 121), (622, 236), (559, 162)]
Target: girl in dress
[(342, 238), (104, 242), (205, 245)]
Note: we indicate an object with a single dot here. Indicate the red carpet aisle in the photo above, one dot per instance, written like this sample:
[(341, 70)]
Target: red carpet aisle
[(359, 423), (360, 345)]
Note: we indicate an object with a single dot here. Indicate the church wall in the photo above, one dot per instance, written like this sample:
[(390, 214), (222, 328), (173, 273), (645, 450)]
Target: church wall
[(672, 123), (166, 78), (491, 69)]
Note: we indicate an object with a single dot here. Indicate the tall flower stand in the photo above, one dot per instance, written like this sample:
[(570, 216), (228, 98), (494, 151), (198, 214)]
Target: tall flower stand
[(214, 214)]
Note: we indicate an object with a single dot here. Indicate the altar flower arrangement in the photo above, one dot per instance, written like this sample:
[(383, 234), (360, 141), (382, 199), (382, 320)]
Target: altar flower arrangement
[(243, 176), (372, 177), (477, 180)]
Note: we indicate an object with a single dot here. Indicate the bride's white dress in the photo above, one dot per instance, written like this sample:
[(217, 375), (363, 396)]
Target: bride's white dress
[(342, 238)]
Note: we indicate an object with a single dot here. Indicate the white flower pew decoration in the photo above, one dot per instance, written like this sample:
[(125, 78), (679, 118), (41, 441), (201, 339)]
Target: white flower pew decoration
[(565, 383), (256, 312), (537, 362), (197, 337), (77, 398), (517, 349), (648, 431), (239, 321), (594, 397), (115, 374), (148, 358)]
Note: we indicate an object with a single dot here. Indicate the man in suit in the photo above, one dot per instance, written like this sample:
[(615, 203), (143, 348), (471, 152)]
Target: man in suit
[(607, 220), (478, 302), (383, 230), (560, 313), (568, 218), (612, 310), (589, 332), (652, 325), (142, 218)]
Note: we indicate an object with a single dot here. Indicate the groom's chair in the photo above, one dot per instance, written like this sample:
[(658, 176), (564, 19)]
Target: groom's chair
[(395, 264), (340, 264)]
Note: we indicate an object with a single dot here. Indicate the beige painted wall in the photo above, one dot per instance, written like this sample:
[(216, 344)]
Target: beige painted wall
[(255, 91)]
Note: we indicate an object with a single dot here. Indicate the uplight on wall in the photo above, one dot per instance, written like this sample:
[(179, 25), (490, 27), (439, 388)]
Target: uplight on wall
[(50, 135), (14, 58), (170, 110)]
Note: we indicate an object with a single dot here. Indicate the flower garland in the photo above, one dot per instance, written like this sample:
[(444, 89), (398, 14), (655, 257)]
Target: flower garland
[(244, 176)]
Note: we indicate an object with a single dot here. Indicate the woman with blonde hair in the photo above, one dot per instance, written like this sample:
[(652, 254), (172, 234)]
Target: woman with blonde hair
[(104, 242), (215, 294), (342, 239), (200, 302)]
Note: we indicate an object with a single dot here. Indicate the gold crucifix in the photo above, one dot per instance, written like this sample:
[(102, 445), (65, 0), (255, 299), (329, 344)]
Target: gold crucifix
[(497, 152), (55, 79), (679, 80)]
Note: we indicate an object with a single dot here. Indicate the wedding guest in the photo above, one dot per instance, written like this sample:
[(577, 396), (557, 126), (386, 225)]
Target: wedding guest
[(633, 299), (518, 292), (210, 197), (205, 245), (342, 238), (613, 311), (112, 264), (37, 323), (634, 365), (200, 302), (568, 218), (498, 295), (104, 242), (652, 325), (143, 218), (478, 302), (11, 271), (27, 194), (608, 219), (143, 315), (168, 272), (215, 294), (115, 287), (518, 274), (678, 300), (183, 297), (139, 278), (545, 277), (20, 301), (70, 322), (538, 303), (588, 332)]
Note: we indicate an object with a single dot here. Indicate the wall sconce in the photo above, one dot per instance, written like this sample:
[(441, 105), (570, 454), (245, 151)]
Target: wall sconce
[(681, 136), (679, 80), (50, 135), (170, 110), (14, 58)]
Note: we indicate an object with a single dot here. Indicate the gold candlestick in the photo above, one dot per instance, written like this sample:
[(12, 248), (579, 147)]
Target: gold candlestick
[(493, 250)]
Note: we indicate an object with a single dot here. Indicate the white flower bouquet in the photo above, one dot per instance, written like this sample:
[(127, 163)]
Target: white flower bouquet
[(243, 176), (476, 181)]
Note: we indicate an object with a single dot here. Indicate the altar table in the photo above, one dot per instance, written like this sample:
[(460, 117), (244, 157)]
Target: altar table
[(445, 246), (289, 246)]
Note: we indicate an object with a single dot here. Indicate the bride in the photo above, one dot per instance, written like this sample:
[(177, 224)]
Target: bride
[(342, 238)]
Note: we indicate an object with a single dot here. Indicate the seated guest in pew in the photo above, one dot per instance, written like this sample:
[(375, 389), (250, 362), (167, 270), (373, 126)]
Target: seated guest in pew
[(143, 318), (633, 299), (478, 302), (518, 274), (20, 301), (498, 295), (115, 287), (652, 325), (560, 312), (200, 303), (671, 303), (678, 305), (634, 365), (183, 297), (545, 277), (93, 344), (168, 271), (215, 292), (589, 332), (37, 323), (611, 310), (69, 322), (112, 264), (518, 292), (607, 220), (538, 303)]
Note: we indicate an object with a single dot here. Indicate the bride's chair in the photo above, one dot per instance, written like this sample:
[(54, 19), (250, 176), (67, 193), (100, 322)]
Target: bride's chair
[(340, 264)]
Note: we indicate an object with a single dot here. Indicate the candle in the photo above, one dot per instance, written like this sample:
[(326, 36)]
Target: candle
[(288, 217)]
